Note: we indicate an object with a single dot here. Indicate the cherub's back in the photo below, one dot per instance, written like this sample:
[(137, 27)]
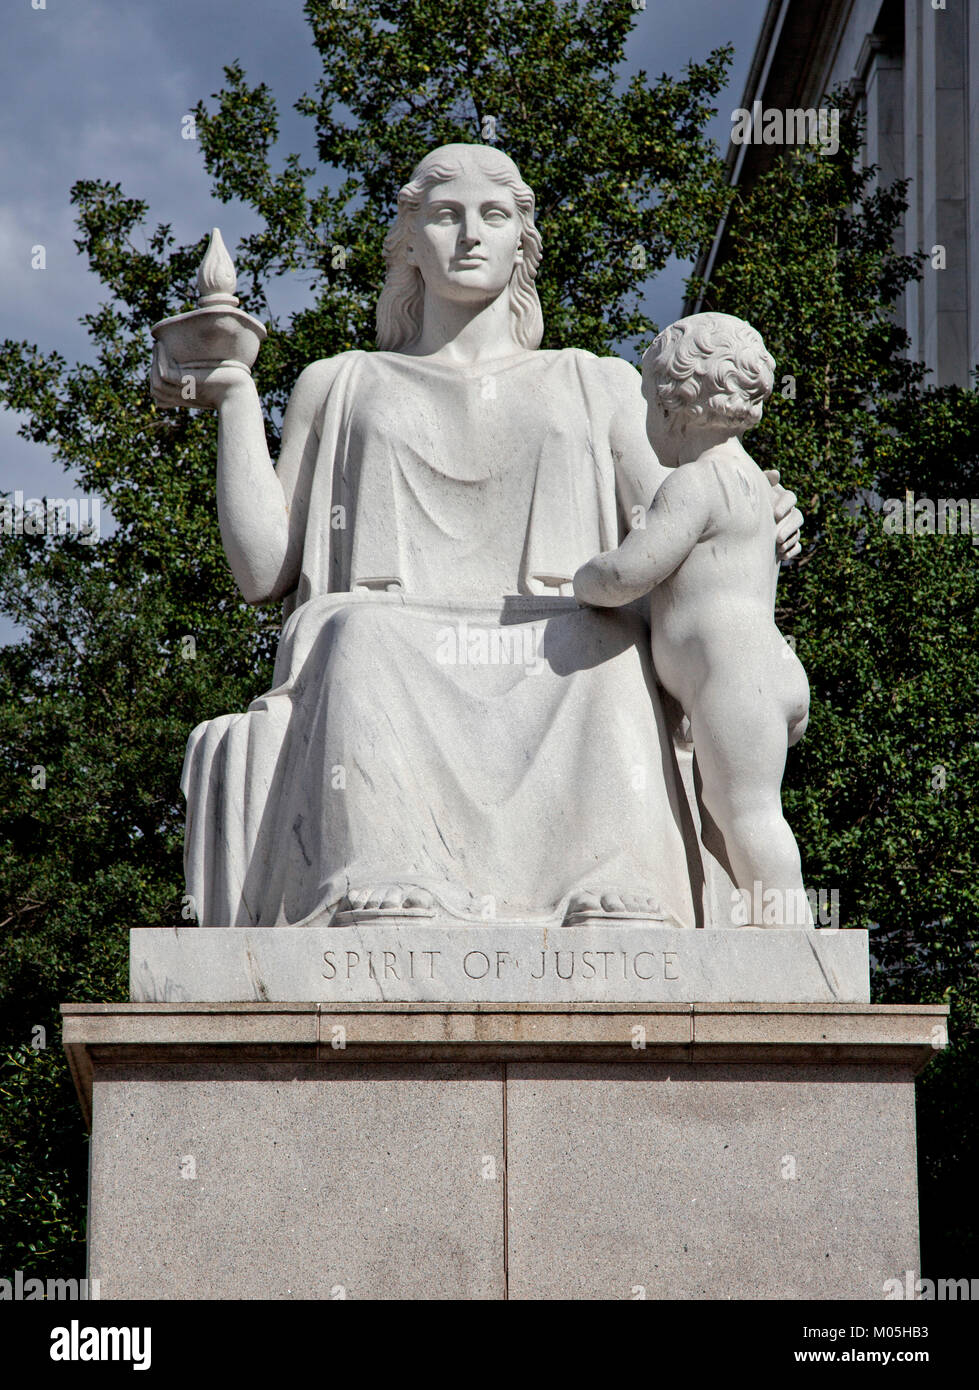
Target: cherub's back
[(723, 593)]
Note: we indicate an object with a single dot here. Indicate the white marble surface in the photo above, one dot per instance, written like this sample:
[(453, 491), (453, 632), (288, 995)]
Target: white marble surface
[(450, 737), (494, 963), (705, 556)]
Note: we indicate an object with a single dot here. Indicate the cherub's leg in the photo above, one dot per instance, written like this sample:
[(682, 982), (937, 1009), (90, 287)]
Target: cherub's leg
[(740, 741)]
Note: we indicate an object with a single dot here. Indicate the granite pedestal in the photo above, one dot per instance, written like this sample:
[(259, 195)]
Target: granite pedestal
[(418, 1150)]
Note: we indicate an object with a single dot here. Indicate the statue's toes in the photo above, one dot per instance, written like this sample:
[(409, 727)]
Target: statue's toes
[(391, 897), (640, 905), (613, 905)]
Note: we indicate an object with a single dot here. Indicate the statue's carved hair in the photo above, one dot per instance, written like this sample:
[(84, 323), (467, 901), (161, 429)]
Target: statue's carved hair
[(710, 367), (399, 306)]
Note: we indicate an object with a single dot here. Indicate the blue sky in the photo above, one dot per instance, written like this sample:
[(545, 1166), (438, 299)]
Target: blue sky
[(97, 89)]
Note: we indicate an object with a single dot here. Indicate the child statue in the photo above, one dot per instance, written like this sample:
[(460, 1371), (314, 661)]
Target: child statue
[(705, 553)]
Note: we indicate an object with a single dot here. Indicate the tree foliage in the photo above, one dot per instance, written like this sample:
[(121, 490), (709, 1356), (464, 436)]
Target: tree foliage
[(132, 641)]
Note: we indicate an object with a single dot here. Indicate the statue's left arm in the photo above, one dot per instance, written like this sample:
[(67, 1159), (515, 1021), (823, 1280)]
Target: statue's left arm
[(638, 472)]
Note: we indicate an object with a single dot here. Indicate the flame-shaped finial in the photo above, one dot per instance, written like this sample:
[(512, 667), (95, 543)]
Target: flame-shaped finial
[(216, 278)]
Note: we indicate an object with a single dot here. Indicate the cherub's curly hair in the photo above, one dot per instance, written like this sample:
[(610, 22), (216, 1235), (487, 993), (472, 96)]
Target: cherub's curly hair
[(710, 367), (399, 306)]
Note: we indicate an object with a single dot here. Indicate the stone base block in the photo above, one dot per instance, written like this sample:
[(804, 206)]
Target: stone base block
[(409, 1151), (498, 964)]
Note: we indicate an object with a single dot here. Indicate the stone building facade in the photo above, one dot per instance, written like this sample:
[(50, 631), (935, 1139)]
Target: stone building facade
[(913, 66)]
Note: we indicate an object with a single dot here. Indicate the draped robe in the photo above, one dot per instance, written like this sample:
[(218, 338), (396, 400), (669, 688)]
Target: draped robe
[(443, 715)]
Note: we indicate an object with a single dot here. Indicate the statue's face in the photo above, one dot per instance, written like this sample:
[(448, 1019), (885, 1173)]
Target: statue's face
[(466, 238)]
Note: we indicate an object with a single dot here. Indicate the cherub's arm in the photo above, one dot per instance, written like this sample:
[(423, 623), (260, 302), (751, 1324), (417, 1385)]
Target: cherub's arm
[(676, 521)]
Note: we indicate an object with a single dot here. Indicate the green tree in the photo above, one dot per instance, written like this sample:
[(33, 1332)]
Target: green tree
[(132, 641), (882, 791)]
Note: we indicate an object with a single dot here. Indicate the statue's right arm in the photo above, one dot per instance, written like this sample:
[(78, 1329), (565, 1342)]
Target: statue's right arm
[(262, 508)]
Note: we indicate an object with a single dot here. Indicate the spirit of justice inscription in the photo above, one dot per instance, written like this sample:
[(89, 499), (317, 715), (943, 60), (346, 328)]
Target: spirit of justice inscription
[(420, 964)]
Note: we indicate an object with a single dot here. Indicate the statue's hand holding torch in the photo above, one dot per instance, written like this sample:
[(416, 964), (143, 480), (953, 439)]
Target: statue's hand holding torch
[(201, 357)]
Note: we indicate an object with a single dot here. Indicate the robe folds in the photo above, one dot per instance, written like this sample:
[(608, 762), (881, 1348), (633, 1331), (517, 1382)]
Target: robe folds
[(443, 714)]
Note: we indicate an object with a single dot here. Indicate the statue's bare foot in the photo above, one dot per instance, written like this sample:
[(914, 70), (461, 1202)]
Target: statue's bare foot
[(612, 907), (393, 900)]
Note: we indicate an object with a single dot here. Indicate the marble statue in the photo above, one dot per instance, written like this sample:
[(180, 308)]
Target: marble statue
[(705, 554), (451, 737)]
